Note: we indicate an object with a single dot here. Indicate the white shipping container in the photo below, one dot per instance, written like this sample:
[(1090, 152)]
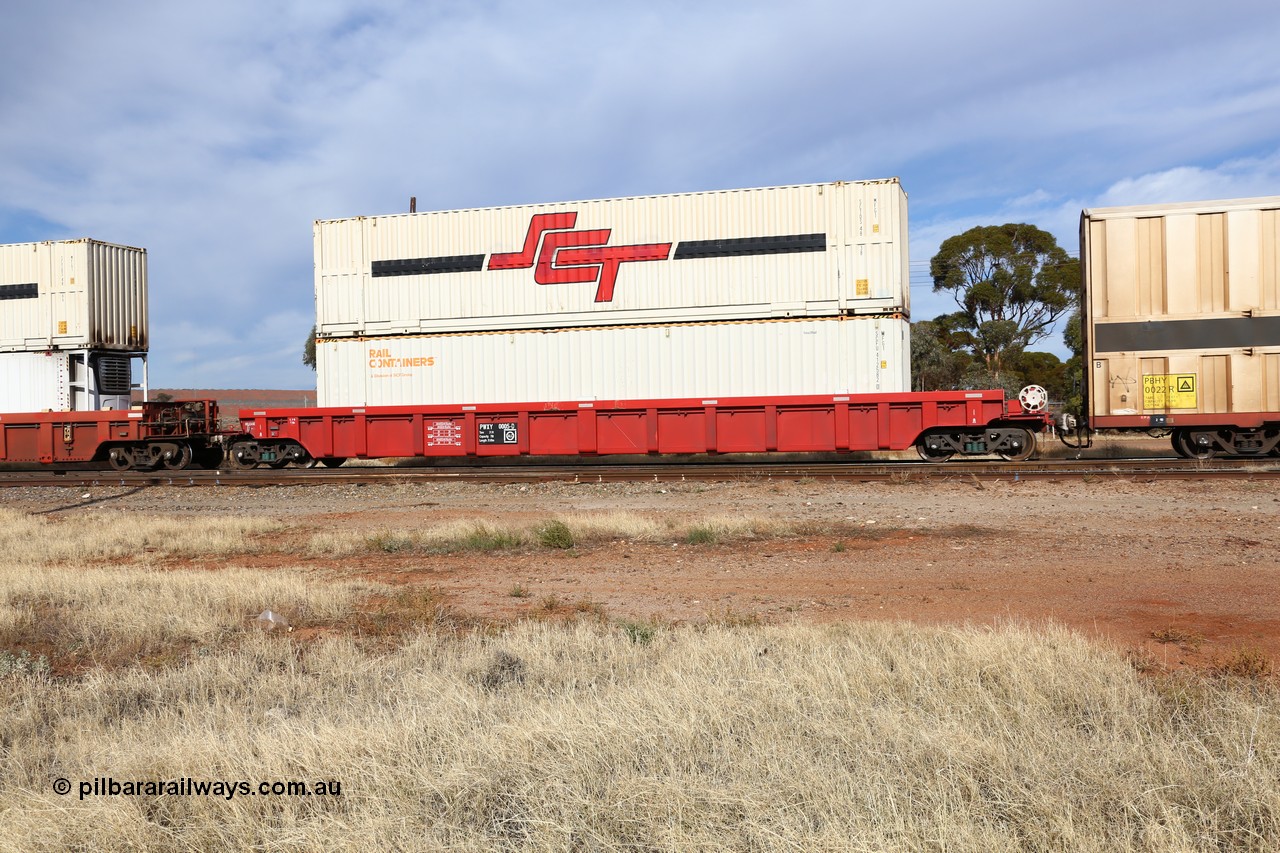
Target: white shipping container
[(816, 250), (1183, 309), (739, 359), (58, 381), (72, 294)]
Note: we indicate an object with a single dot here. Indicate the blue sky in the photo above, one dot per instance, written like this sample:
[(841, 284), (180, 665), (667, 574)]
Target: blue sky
[(214, 134)]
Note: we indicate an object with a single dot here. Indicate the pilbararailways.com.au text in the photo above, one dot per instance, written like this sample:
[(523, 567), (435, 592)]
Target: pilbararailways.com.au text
[(227, 789)]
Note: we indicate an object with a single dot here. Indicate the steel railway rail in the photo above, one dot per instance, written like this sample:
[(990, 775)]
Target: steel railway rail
[(896, 471)]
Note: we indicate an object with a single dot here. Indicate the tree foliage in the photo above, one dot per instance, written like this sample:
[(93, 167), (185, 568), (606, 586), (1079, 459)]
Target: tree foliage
[(937, 363), (1011, 283), (309, 350), (940, 361), (1073, 336)]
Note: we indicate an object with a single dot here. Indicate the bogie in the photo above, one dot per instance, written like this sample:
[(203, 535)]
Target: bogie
[(1011, 443), (1208, 442)]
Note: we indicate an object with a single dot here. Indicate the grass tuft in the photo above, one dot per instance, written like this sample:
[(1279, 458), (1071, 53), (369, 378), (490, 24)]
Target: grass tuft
[(702, 534), (555, 534), (1246, 663), (641, 633)]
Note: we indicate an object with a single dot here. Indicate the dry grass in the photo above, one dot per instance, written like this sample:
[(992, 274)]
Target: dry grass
[(29, 540), (873, 737), (108, 615), (591, 735), (84, 591), (568, 530)]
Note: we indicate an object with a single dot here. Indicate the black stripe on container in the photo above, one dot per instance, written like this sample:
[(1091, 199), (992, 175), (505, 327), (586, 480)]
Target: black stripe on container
[(19, 291), (750, 246), (1154, 336), (429, 266)]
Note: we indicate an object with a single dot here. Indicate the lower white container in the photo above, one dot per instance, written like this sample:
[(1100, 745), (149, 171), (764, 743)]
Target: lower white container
[(59, 381), (744, 359)]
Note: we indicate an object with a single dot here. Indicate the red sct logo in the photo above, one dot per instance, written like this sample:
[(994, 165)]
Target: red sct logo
[(560, 255)]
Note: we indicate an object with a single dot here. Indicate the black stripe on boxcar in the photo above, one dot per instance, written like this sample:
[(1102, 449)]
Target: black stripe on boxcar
[(19, 291), (750, 246), (429, 266), (1220, 333)]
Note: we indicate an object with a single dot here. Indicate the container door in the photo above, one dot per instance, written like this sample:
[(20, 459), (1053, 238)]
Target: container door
[(341, 265)]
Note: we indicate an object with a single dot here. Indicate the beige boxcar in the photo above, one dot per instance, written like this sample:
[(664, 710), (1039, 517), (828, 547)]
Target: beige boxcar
[(1182, 321), (815, 250), (72, 295)]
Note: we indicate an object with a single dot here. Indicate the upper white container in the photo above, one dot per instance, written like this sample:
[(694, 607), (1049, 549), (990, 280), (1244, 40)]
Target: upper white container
[(815, 250), (72, 294)]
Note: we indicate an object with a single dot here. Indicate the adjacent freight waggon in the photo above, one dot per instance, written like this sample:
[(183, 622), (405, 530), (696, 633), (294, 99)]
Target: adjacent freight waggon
[(73, 322), (1182, 323)]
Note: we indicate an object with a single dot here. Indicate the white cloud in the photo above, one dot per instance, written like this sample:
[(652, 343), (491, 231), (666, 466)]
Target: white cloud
[(1241, 178)]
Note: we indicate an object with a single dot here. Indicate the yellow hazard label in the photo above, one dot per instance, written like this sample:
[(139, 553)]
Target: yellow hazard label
[(62, 327), (863, 287), (1169, 391)]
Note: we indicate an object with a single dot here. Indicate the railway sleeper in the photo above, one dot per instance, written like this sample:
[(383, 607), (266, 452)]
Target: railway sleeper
[(1014, 444)]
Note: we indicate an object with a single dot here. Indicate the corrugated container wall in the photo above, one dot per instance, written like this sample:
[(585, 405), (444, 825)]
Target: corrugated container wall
[(72, 294), (1183, 308), (816, 250), (740, 359), (35, 381), (64, 381)]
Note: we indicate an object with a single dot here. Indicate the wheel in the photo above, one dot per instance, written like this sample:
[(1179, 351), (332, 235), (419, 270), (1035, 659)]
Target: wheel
[(939, 452), (1177, 439), (1192, 450), (307, 462), (120, 459), (1023, 453), (332, 461), (242, 456), (177, 461)]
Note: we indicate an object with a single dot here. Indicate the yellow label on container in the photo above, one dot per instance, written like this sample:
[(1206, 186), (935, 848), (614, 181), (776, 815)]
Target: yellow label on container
[(1169, 391), (863, 287), (62, 327)]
